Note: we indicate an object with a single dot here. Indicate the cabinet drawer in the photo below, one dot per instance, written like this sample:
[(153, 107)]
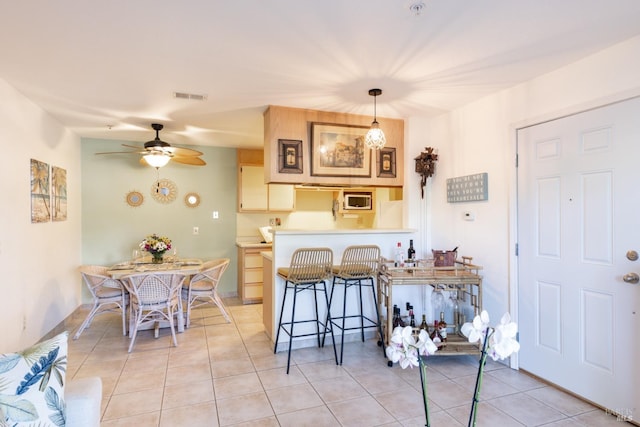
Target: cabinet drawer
[(252, 260), (253, 276), (252, 292)]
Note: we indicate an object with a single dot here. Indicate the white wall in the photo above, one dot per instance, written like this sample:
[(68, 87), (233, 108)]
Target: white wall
[(40, 284), (480, 137)]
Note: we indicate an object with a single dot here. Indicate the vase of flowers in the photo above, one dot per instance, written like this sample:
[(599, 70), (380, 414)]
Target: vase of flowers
[(156, 246)]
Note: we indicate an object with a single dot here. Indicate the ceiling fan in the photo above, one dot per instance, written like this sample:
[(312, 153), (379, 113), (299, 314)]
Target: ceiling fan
[(158, 153)]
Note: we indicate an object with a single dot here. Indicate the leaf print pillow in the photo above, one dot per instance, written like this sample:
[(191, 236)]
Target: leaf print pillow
[(32, 384)]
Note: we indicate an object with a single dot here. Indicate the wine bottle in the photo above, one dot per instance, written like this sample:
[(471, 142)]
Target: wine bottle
[(442, 327), (424, 324), (435, 335), (412, 319), (411, 252)]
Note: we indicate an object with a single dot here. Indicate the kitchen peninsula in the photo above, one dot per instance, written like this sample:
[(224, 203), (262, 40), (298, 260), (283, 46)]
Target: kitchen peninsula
[(287, 241)]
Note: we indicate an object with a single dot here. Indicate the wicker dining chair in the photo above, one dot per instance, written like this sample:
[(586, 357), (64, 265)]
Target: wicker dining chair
[(109, 295), (309, 270), (201, 289), (155, 297), (357, 270)]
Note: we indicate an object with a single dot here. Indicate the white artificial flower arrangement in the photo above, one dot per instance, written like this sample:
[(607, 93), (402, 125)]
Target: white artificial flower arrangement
[(499, 343)]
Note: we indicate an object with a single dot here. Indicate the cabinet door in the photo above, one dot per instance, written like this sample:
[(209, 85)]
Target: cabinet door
[(253, 190), (281, 197)]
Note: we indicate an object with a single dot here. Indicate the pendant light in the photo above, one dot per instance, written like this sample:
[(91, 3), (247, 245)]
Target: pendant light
[(375, 137)]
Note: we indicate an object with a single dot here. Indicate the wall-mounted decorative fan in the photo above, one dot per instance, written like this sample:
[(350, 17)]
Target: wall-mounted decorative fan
[(158, 153)]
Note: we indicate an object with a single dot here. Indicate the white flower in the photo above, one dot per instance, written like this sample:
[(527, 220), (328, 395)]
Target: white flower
[(475, 331), (405, 349), (502, 339)]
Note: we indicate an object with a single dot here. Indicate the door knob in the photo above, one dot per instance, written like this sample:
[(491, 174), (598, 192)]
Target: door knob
[(631, 278)]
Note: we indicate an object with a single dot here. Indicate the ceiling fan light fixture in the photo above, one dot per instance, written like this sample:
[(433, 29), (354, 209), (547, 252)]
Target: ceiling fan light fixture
[(375, 138), (156, 160)]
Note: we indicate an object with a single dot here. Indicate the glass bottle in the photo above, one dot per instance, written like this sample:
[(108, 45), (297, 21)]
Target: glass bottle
[(412, 319), (424, 324), (399, 255), (411, 253), (442, 327)]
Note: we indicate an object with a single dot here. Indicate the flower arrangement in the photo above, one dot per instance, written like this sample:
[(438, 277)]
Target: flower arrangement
[(498, 342), (156, 245), (409, 352)]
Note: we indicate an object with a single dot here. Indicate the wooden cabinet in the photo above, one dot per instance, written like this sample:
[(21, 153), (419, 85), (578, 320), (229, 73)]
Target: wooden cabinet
[(256, 196), (250, 277), (253, 192)]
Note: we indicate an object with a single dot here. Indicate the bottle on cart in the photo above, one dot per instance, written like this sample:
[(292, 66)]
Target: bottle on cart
[(397, 320), (412, 319), (435, 335), (442, 327), (411, 252), (399, 255), (424, 324)]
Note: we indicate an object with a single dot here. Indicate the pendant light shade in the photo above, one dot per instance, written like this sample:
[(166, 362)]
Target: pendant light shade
[(156, 160), (375, 138)]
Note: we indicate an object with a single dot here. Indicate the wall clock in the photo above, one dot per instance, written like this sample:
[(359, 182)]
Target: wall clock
[(164, 191)]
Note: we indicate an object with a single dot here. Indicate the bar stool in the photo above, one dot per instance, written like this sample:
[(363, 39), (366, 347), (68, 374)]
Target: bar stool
[(358, 268), (308, 271)]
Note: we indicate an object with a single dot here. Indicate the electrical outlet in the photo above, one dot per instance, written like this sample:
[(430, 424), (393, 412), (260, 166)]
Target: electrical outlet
[(196, 231), (216, 215), (272, 222)]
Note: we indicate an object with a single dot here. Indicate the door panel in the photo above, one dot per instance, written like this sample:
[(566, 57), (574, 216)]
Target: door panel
[(578, 203)]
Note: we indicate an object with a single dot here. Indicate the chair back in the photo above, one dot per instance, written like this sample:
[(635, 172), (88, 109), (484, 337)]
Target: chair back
[(153, 288), (310, 265), (96, 277), (211, 272), (360, 261)]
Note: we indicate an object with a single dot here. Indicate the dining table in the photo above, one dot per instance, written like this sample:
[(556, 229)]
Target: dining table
[(185, 266)]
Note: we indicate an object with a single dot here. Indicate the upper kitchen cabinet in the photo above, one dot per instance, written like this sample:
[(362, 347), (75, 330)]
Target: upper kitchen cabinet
[(256, 196), (318, 147)]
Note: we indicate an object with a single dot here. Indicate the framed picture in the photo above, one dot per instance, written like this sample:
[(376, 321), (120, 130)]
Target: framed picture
[(40, 198), (338, 150), (289, 156), (387, 163)]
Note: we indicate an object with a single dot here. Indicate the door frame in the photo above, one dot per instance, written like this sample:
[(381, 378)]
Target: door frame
[(513, 188)]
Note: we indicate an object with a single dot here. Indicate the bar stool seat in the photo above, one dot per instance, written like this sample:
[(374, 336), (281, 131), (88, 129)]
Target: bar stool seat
[(357, 269), (309, 270)]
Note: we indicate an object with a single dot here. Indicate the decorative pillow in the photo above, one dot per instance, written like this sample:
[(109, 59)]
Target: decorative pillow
[(32, 384)]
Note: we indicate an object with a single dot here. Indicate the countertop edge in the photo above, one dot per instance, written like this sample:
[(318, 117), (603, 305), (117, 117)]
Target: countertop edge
[(350, 231)]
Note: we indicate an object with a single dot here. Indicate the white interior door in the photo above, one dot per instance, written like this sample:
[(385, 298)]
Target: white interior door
[(578, 217)]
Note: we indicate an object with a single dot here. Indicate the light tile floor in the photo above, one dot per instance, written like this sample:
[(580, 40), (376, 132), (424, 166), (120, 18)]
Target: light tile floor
[(227, 375)]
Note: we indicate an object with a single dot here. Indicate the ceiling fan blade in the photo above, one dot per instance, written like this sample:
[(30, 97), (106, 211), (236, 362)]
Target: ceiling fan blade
[(120, 152), (189, 160), (184, 152), (134, 146)]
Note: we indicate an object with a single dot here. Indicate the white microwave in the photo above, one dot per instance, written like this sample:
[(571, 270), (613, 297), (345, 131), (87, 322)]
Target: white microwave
[(357, 200)]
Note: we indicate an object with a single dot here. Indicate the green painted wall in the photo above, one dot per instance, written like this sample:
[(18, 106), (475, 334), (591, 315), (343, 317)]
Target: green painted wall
[(111, 228)]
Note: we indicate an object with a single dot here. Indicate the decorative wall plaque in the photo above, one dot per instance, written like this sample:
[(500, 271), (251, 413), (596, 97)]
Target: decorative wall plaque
[(469, 188)]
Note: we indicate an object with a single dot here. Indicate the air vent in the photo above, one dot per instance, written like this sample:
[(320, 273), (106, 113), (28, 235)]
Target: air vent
[(191, 96)]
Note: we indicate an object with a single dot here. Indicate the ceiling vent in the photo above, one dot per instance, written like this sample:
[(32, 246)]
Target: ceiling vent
[(191, 96)]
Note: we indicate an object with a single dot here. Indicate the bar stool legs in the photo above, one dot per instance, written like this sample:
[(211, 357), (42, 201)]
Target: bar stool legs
[(364, 321), (321, 327)]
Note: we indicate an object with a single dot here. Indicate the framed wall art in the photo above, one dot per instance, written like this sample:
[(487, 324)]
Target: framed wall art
[(58, 193), (387, 162), (339, 150), (289, 156), (40, 199)]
